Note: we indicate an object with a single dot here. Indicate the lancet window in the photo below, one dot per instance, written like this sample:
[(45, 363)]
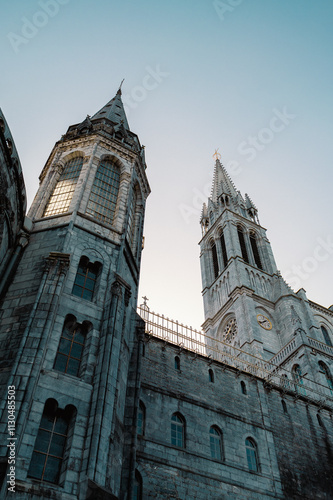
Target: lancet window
[(104, 193), (61, 197)]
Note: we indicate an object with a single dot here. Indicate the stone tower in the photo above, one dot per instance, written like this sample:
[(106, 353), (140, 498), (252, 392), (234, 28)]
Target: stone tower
[(68, 321), (247, 303)]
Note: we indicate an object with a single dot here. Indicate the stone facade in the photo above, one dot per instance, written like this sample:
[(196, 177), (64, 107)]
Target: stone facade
[(13, 224), (40, 302), (149, 408), (294, 450)]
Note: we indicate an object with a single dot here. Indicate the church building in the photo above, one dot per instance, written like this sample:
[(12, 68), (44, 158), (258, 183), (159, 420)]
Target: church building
[(104, 399)]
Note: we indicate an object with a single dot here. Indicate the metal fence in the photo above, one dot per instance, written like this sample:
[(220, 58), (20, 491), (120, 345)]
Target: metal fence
[(199, 343)]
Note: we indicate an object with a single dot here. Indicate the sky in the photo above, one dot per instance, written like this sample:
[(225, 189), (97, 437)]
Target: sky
[(251, 78)]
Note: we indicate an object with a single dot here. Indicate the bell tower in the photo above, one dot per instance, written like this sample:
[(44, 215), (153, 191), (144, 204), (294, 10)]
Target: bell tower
[(240, 279), (69, 328)]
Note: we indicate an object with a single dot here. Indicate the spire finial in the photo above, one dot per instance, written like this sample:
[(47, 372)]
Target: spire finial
[(217, 155), (145, 300), (119, 90)]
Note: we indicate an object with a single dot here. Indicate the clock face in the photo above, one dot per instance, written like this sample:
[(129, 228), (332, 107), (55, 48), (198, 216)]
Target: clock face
[(264, 322), (230, 331)]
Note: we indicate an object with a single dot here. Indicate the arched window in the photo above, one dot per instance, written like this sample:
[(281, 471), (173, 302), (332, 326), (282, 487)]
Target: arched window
[(255, 250), (211, 375), (85, 279), (243, 387), (242, 244), (297, 375), (215, 261), (252, 455), (326, 371), (50, 444), (104, 193), (131, 221), (63, 192), (178, 430), (137, 486), (141, 419), (216, 445), (284, 406), (224, 251), (177, 363), (326, 336), (71, 345)]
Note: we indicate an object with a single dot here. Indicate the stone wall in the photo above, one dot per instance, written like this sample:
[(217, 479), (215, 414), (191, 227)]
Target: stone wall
[(295, 460)]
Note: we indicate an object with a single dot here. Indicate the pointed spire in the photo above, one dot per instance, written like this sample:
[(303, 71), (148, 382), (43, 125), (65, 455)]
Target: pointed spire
[(222, 183), (249, 203), (119, 90), (204, 212), (114, 111), (251, 208)]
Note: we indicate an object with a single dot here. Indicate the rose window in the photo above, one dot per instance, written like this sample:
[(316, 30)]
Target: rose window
[(230, 331)]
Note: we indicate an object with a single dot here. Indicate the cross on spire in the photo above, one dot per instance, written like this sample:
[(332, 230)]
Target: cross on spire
[(145, 300), (217, 155)]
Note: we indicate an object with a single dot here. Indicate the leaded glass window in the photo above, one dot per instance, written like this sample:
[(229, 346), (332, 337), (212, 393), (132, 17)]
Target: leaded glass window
[(230, 331), (70, 350), (85, 279), (104, 193), (50, 444), (177, 431), (252, 455), (215, 438), (63, 192)]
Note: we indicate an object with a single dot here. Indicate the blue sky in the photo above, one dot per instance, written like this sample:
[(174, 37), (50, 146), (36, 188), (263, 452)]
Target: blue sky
[(224, 71)]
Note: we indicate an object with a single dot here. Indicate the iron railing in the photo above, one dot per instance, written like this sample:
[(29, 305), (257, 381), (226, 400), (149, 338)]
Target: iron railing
[(270, 371)]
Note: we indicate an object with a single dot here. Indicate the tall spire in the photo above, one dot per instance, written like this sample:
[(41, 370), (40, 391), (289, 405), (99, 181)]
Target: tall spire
[(222, 182), (114, 111)]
